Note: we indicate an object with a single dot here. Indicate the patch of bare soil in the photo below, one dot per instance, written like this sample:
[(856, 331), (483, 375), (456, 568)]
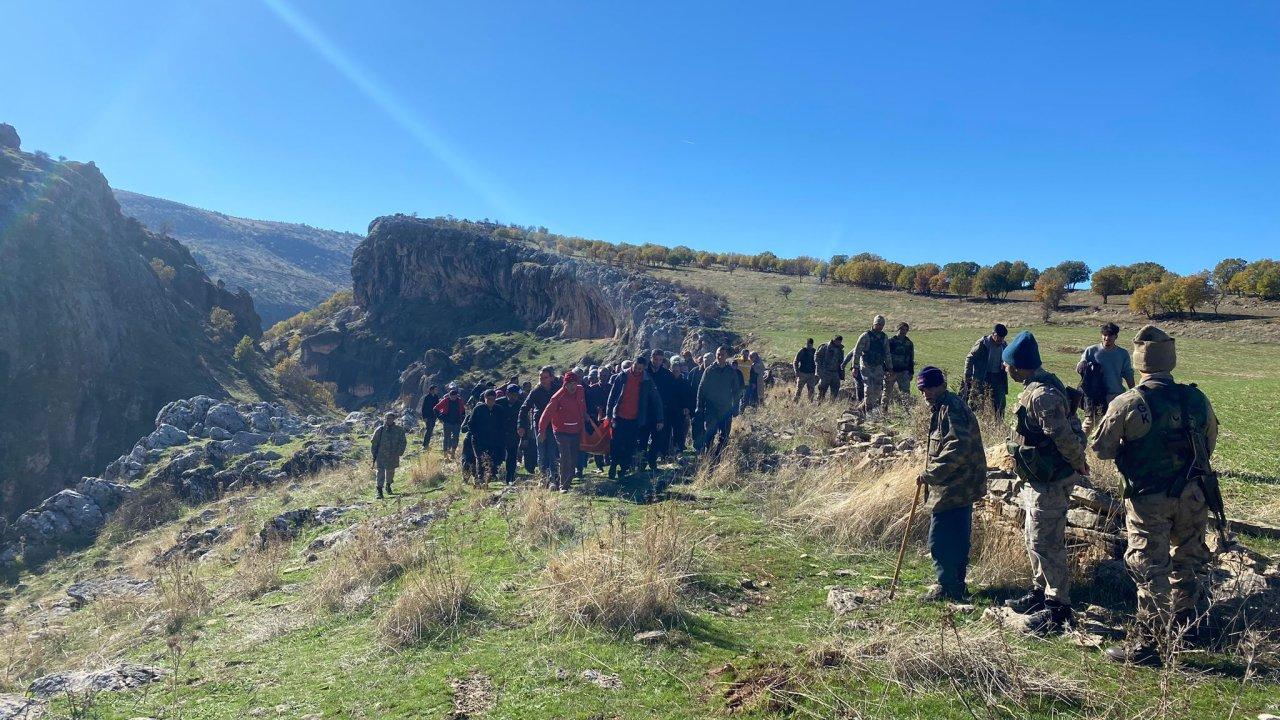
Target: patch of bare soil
[(472, 696), (767, 688)]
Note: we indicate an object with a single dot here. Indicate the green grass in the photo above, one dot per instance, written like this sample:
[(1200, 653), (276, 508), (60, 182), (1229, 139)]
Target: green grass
[(1240, 374)]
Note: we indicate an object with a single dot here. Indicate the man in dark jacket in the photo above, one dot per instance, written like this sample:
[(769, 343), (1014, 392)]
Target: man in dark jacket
[(829, 361), (387, 446), (806, 370), (633, 401), (597, 396), (452, 411), (902, 364), (984, 374), (508, 412), (655, 437), (427, 411), (681, 407), (718, 394), (530, 412), (487, 442), (954, 478)]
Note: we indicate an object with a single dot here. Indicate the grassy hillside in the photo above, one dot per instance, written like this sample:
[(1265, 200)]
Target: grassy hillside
[(493, 610), (1236, 361)]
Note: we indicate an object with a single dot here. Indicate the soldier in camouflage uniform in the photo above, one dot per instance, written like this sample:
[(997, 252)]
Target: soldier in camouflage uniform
[(871, 357), (1161, 434), (386, 447), (1047, 445), (902, 364), (955, 477)]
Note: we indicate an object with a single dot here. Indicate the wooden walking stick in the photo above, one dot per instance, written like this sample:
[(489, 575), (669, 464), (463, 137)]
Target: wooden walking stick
[(911, 516)]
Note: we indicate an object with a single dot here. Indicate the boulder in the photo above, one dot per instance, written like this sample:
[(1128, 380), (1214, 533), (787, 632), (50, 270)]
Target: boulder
[(217, 433), (243, 442), (165, 436), (312, 459), (9, 137), (287, 525), (87, 591), (225, 416), (16, 707), (107, 495), (125, 676)]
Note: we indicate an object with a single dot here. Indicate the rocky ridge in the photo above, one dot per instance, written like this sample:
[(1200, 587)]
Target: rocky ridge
[(421, 284), (100, 323)]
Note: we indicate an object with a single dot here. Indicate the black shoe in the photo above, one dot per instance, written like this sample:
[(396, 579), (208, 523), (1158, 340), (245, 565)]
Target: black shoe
[(389, 490), (1137, 653), (380, 494), (1052, 619), (1033, 601)]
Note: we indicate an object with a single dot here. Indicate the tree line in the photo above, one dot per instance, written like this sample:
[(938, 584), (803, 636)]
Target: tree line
[(1153, 290)]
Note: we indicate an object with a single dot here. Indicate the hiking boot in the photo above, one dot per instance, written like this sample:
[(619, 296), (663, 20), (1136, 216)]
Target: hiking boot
[(1135, 653), (1052, 619), (613, 472), (380, 497), (936, 593), (1033, 601)]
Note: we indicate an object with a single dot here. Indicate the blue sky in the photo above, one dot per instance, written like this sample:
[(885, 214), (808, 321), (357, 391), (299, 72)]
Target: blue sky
[(1111, 132)]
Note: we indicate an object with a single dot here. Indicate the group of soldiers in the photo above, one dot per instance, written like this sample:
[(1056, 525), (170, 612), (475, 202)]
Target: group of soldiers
[(882, 367), (1160, 433)]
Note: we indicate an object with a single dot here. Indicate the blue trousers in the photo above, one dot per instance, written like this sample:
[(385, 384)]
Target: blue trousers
[(949, 533), (713, 428), (548, 455)]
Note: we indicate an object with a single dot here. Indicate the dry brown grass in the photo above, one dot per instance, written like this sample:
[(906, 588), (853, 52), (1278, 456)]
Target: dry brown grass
[(360, 567), (25, 655), (624, 577), (426, 471), (258, 571), (541, 517), (184, 595), (984, 665), (433, 602)]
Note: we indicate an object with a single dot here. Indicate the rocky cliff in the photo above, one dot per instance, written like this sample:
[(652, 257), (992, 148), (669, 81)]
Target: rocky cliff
[(421, 284), (286, 267), (101, 324)]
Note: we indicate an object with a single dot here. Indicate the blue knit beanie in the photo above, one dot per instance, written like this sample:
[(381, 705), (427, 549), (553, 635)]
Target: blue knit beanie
[(1023, 352), (929, 377)]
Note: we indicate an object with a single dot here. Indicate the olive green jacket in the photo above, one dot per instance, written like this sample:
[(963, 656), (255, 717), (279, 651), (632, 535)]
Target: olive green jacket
[(956, 473)]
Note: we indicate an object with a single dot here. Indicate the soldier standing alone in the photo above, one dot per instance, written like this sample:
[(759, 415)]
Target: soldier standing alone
[(1047, 446), (389, 443), (1162, 434), (902, 364)]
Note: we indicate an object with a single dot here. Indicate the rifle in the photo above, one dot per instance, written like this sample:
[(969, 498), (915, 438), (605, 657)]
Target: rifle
[(1201, 470)]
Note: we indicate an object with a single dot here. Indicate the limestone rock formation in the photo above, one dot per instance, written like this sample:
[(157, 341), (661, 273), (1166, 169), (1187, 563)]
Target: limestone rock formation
[(101, 322), (421, 284)]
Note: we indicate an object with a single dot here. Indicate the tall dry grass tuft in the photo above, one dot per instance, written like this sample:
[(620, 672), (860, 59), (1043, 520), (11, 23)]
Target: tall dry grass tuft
[(360, 567), (258, 571), (184, 595), (25, 655), (433, 602), (426, 471), (541, 517), (626, 577), (985, 665), (856, 509)]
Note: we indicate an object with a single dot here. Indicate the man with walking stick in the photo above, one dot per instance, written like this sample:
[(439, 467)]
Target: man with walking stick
[(954, 478)]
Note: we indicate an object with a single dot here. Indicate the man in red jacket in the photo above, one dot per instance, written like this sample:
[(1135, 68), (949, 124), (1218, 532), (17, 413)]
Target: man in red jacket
[(452, 411), (566, 416)]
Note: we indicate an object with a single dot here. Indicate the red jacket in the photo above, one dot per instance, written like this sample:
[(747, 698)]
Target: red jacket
[(565, 413)]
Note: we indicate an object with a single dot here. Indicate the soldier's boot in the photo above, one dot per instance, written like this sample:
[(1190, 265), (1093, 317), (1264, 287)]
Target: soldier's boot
[(1052, 619), (1139, 652), (1033, 601)]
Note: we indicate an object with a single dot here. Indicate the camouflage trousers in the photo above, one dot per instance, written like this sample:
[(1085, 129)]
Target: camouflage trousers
[(873, 381), (897, 384), (1045, 528), (1093, 415), (828, 381), (1167, 551)]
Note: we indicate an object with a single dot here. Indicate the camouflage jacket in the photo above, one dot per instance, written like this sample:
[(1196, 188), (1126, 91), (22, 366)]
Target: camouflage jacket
[(388, 445), (956, 474), (1049, 410)]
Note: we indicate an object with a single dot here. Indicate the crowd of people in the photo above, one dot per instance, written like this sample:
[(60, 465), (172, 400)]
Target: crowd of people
[(635, 414)]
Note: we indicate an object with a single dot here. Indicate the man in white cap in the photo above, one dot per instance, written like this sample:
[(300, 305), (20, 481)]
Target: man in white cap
[(1162, 435), (871, 357)]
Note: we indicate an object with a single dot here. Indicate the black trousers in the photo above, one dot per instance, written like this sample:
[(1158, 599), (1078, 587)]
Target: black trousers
[(678, 431), (428, 429), (512, 456), (649, 445), (622, 448)]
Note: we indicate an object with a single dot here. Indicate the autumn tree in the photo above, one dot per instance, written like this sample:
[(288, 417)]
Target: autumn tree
[(1108, 281)]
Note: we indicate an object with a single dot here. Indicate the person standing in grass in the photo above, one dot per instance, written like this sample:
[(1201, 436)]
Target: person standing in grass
[(718, 397), (508, 412), (1162, 435), (534, 403), (829, 360), (954, 478), (806, 370), (984, 372), (565, 417), (870, 357), (1106, 370), (1047, 446), (633, 401), (902, 365), (389, 443), (427, 411), (452, 411)]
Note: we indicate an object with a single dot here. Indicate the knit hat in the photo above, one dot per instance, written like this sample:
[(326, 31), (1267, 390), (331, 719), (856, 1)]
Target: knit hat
[(1153, 350), (1000, 330), (572, 376), (1023, 352), (513, 388), (929, 377), (878, 320)]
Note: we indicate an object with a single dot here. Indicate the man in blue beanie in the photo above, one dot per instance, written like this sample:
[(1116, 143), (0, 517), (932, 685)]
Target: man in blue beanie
[(954, 477), (1047, 446)]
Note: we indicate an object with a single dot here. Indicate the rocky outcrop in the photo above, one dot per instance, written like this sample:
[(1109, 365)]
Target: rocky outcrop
[(100, 323), (419, 285)]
